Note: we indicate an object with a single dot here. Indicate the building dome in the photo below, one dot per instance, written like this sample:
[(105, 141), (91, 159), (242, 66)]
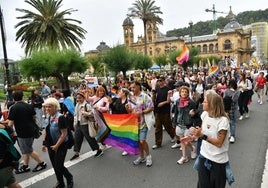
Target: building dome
[(103, 47), (233, 24), (128, 21)]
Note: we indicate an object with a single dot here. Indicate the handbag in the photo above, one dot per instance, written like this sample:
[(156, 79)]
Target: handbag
[(149, 119), (93, 129), (37, 131)]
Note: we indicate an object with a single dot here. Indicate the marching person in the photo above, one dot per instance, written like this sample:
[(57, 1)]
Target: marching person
[(162, 113), (213, 159), (143, 105), (22, 116), (83, 113), (55, 141)]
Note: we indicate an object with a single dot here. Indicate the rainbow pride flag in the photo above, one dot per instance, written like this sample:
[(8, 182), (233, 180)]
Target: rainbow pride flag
[(124, 132), (184, 56)]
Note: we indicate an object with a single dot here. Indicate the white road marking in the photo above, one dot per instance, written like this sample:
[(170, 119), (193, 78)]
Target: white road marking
[(50, 172), (264, 183)]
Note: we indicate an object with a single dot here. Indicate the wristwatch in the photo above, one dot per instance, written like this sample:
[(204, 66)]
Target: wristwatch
[(204, 137)]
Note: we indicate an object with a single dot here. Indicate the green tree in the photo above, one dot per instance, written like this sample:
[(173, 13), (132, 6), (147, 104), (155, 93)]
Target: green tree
[(53, 63), (161, 60), (118, 59), (148, 13), (172, 57), (142, 62), (97, 64), (48, 27)]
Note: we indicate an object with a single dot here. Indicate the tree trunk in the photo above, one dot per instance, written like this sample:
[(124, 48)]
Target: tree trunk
[(145, 37)]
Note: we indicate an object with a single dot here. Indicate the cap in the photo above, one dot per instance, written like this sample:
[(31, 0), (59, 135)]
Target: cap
[(178, 84)]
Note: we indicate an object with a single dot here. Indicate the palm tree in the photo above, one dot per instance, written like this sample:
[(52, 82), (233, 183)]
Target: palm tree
[(48, 27), (148, 13)]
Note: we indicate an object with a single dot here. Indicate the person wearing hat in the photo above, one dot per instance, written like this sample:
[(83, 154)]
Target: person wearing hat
[(162, 113), (174, 98)]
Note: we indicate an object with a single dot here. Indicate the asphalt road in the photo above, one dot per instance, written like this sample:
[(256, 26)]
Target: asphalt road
[(247, 158)]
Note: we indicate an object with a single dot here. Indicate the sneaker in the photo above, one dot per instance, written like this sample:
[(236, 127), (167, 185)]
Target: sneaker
[(103, 146), (99, 153), (39, 167), (173, 140), (261, 103), (139, 160), (247, 115), (232, 139), (176, 145), (156, 146), (74, 157), (149, 161), (193, 153), (124, 153), (23, 169), (241, 118), (183, 160)]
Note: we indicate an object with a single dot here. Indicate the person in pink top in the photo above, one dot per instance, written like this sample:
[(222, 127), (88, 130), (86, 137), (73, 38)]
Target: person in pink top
[(222, 85), (100, 101)]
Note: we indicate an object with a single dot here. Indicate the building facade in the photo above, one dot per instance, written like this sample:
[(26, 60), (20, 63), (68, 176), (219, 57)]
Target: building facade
[(233, 41)]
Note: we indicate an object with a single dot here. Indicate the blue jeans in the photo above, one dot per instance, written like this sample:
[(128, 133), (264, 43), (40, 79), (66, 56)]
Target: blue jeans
[(232, 127), (39, 119)]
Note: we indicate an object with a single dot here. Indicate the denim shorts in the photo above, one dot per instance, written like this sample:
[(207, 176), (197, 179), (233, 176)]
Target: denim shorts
[(143, 133), (182, 131), (26, 145)]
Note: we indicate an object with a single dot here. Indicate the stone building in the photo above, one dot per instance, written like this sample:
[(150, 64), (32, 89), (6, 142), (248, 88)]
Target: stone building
[(233, 40)]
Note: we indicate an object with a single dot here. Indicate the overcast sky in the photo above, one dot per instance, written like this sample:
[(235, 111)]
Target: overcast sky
[(103, 18)]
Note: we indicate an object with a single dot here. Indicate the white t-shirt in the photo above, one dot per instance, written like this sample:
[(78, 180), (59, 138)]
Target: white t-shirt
[(211, 127)]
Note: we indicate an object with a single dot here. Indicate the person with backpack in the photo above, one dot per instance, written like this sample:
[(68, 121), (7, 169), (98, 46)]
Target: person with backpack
[(83, 116), (9, 159), (55, 141), (230, 99)]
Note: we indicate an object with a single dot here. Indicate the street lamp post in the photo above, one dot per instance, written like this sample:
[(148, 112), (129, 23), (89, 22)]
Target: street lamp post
[(191, 31), (5, 56)]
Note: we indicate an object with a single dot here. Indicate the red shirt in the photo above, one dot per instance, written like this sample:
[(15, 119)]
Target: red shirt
[(261, 82)]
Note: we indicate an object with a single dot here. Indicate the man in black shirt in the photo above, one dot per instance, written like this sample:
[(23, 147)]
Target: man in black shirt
[(22, 116), (162, 113)]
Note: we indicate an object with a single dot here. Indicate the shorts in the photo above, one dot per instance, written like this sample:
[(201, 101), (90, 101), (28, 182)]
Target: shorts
[(26, 145), (6, 176), (143, 133), (181, 131), (260, 91)]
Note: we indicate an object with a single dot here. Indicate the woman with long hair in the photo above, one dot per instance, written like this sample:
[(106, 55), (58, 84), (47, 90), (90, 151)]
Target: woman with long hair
[(244, 85), (213, 159)]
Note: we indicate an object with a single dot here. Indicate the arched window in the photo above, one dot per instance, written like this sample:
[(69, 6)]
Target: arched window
[(211, 47), (205, 48), (216, 47), (227, 45)]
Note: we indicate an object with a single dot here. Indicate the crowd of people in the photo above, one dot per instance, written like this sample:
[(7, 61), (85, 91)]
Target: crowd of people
[(196, 109)]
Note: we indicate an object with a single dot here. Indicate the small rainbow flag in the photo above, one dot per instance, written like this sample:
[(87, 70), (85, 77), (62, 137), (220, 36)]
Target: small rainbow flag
[(184, 56), (213, 70), (124, 132)]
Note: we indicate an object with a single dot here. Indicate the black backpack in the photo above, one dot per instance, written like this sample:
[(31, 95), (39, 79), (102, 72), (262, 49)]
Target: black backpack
[(70, 141), (227, 102)]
